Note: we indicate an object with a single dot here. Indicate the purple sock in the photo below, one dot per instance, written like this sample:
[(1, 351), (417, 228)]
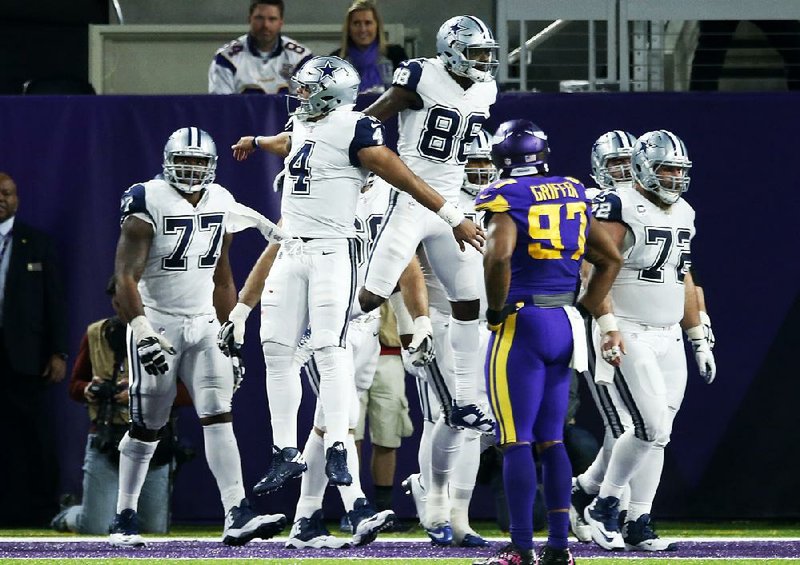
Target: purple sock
[(519, 480), (557, 482)]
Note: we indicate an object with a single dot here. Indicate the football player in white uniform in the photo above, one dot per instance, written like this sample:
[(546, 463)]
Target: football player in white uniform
[(261, 61), (449, 456), (173, 273), (653, 297), (442, 104), (328, 153)]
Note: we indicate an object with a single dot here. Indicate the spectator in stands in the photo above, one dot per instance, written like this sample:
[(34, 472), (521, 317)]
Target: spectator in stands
[(716, 37), (33, 346), (100, 380), (364, 46), (262, 60)]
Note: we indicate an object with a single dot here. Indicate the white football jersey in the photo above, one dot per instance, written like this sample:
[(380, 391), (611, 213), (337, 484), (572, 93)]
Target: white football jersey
[(239, 66), (371, 210), (434, 136), (179, 276), (323, 176), (437, 297), (649, 288)]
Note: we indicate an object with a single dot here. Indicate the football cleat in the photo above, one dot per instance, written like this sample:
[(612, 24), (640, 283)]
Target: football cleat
[(639, 535), (243, 525), (287, 463), (602, 515), (472, 539), (312, 533), (578, 503), (509, 555), (550, 556), (413, 486), (336, 466), (440, 534), (471, 417), (367, 522), (124, 530)]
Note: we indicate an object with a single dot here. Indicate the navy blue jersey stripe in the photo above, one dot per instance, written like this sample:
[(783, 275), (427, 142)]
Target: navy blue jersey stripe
[(604, 403), (639, 428)]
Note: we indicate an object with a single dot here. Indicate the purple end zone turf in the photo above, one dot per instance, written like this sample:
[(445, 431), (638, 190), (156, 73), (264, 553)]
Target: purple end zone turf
[(211, 549)]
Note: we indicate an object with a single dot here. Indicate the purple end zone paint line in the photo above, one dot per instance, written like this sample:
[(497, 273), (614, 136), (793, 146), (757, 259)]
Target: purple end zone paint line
[(211, 549)]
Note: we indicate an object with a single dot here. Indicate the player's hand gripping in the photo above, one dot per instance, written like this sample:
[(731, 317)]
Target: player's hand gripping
[(151, 347), (421, 347), (702, 353), (469, 232), (611, 346), (244, 147), (230, 338)]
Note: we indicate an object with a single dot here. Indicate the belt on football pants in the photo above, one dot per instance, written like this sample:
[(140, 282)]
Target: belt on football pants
[(550, 300)]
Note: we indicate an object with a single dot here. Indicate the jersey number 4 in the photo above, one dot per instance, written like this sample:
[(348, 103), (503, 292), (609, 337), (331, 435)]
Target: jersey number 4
[(184, 227), (299, 171), (447, 133), (665, 239)]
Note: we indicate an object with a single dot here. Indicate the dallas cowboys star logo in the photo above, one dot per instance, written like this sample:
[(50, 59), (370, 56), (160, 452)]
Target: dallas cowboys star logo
[(456, 27), (326, 70)]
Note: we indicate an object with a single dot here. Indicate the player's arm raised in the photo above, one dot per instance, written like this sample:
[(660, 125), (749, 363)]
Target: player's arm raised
[(278, 144), (386, 164), (133, 248)]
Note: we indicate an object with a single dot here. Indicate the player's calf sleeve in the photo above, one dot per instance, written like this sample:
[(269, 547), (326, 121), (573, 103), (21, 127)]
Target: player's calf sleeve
[(644, 483), (314, 480), (462, 481), (464, 340), (592, 478), (556, 476), (335, 392), (519, 481), (284, 392), (134, 460), (628, 454), (222, 454), (445, 445), (425, 453)]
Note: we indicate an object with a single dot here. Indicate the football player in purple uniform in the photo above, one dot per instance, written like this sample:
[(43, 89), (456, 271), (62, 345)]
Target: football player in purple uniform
[(539, 231)]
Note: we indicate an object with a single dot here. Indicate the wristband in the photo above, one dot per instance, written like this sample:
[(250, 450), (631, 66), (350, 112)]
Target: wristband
[(607, 323), (495, 317), (141, 328), (255, 142), (704, 318), (422, 324), (239, 313), (405, 325), (696, 333), (450, 214)]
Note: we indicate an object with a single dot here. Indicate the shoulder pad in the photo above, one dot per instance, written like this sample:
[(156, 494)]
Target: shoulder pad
[(607, 206)]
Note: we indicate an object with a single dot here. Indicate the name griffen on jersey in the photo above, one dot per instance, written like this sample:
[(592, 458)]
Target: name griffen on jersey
[(552, 218), (433, 137), (187, 240), (323, 176), (649, 288)]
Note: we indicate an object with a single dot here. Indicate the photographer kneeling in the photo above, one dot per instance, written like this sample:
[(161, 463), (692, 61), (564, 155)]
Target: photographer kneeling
[(100, 379)]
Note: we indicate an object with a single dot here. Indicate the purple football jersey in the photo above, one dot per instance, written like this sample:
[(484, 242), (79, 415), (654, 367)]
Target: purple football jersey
[(552, 217)]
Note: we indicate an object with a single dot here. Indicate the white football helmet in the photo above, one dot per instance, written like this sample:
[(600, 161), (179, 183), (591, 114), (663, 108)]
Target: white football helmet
[(614, 144), (322, 84), (468, 49), (654, 150), (190, 142), (479, 155)]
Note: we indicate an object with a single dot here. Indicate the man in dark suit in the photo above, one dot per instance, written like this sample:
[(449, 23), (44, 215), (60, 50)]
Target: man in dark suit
[(32, 356)]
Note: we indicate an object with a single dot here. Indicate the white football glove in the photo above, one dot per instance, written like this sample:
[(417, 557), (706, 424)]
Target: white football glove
[(707, 331), (230, 338), (702, 354), (238, 371), (151, 346), (421, 347)]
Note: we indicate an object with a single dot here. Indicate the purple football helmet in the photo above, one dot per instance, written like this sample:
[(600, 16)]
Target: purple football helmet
[(519, 147)]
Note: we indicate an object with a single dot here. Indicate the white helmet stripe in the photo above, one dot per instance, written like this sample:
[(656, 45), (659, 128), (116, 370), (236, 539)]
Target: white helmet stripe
[(677, 145), (485, 30)]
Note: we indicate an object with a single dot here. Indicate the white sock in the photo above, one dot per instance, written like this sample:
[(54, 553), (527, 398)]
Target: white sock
[(134, 460), (644, 483), (314, 480), (464, 341), (591, 480), (445, 445), (284, 392), (462, 483), (628, 454), (425, 451), (352, 492), (222, 454), (335, 392)]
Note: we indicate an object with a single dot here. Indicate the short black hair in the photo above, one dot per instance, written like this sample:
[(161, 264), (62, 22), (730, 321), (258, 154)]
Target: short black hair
[(278, 3)]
